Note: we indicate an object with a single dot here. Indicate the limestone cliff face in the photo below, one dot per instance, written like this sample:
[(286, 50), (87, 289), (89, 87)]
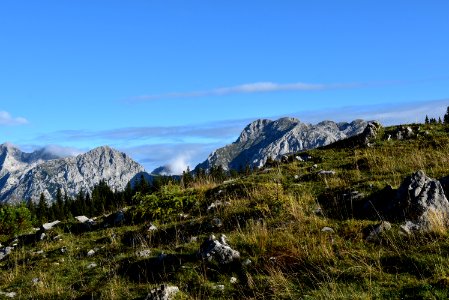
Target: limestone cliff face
[(27, 175), (265, 138)]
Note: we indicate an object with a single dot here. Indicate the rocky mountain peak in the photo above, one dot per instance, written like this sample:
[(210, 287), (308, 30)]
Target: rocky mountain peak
[(34, 174), (263, 139)]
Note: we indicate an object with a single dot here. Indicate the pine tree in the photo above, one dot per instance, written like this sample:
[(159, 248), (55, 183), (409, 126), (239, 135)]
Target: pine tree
[(42, 210), (426, 120), (439, 120), (446, 116)]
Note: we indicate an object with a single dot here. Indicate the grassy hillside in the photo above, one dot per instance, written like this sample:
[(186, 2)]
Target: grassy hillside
[(274, 217)]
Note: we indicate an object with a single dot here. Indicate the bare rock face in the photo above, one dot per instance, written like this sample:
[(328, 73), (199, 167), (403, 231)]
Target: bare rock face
[(263, 139), (422, 201), (26, 176)]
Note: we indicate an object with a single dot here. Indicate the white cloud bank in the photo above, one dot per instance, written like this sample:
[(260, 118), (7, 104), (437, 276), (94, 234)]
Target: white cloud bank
[(248, 88), (7, 119)]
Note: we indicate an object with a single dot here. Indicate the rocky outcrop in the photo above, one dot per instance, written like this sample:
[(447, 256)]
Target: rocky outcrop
[(218, 250), (263, 139), (370, 133), (26, 176), (421, 201)]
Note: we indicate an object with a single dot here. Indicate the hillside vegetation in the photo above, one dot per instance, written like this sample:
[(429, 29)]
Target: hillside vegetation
[(297, 234)]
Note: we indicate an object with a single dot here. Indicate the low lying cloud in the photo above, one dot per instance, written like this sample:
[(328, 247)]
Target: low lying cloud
[(174, 156), (7, 119), (247, 88), (62, 151)]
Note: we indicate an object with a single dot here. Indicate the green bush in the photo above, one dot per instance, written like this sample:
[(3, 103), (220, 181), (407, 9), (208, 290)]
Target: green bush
[(169, 201), (14, 219)]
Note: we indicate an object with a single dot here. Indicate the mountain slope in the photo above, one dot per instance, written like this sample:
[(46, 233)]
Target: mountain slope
[(72, 174), (263, 139), (15, 163)]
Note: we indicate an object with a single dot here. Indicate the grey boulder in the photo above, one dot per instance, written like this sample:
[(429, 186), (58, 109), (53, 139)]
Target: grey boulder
[(219, 250)]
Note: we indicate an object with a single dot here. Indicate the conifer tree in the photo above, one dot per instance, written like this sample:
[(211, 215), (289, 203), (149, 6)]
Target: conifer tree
[(42, 209), (446, 116)]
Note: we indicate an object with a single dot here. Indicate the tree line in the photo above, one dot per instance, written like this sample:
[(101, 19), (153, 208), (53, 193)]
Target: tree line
[(445, 119), (101, 199)]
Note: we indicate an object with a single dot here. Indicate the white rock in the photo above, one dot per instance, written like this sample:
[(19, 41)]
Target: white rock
[(152, 227), (327, 229), (48, 226), (9, 294), (91, 265)]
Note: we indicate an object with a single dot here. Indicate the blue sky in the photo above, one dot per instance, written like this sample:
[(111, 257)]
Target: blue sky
[(169, 81)]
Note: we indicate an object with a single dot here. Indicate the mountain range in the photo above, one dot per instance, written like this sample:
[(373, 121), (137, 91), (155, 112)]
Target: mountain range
[(27, 175), (263, 139)]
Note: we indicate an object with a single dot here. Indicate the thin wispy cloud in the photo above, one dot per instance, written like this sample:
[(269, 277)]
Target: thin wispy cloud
[(7, 119), (386, 113), (249, 88), (221, 129)]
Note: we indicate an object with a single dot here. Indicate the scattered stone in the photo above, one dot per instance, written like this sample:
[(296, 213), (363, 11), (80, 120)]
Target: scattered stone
[(219, 287), (144, 253), (219, 250), (218, 204), (163, 293), (408, 228), (42, 236), (48, 226), (299, 158), (315, 166), (91, 252), (8, 294), (35, 280), (318, 211), (246, 262), (57, 238), (233, 280), (5, 252), (193, 239), (39, 252), (63, 249), (82, 219), (152, 227), (378, 230), (216, 222), (296, 176), (327, 229), (183, 216), (91, 265), (324, 172), (85, 220), (404, 133)]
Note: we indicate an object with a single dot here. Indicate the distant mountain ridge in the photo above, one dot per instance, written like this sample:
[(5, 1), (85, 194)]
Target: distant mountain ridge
[(27, 175), (264, 138)]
